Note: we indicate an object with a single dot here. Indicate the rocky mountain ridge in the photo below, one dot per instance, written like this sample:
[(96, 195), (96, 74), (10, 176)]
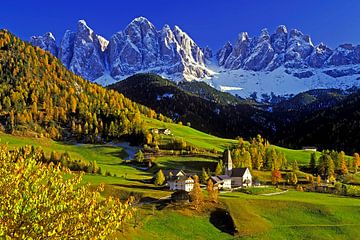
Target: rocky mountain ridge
[(283, 63), (291, 50), (140, 47)]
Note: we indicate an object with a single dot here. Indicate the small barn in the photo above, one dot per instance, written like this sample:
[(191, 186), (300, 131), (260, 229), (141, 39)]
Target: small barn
[(309, 149), (221, 182)]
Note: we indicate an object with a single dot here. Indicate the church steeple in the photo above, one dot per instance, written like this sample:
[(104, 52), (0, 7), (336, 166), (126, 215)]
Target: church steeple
[(228, 162)]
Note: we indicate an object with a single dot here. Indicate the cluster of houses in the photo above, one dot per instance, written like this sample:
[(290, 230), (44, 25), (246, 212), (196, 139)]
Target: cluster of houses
[(178, 180), (163, 131)]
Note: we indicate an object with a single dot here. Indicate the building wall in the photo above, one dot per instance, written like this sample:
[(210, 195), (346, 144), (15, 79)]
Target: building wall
[(247, 176), (227, 184)]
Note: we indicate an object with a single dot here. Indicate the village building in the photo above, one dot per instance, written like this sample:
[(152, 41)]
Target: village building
[(185, 183), (240, 177), (309, 149), (155, 131), (221, 182), (178, 180), (164, 131)]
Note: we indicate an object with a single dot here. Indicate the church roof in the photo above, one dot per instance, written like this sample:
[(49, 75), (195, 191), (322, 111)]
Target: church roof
[(238, 172)]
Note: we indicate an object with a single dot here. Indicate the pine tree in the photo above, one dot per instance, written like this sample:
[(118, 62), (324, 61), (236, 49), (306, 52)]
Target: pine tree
[(219, 168), (160, 178), (343, 165), (293, 178), (318, 180), (139, 156), (312, 164), (196, 194), (356, 161), (204, 176), (212, 192), (331, 168), (295, 166)]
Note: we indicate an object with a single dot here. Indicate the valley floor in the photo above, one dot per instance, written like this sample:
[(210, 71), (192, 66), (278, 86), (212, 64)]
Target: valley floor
[(291, 215)]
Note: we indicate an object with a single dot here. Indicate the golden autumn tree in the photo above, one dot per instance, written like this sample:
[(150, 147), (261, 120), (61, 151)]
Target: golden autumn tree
[(213, 193), (196, 194), (38, 202)]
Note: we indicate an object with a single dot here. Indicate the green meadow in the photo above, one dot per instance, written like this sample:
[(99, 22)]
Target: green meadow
[(291, 215)]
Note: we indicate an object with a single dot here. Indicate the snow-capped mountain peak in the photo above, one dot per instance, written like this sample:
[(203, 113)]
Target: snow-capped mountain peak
[(265, 63), (140, 47)]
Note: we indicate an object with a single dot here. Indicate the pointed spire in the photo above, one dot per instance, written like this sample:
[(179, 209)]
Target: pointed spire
[(228, 162)]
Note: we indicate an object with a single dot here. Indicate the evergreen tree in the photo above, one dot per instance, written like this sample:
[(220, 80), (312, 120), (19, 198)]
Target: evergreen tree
[(219, 168), (312, 164), (196, 194), (343, 165), (356, 160), (204, 176), (295, 166), (139, 156), (160, 178), (212, 193), (330, 168)]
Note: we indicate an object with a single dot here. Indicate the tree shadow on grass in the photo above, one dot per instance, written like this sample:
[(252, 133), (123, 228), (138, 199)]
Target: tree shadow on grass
[(222, 220)]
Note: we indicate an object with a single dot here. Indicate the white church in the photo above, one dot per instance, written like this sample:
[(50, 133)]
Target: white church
[(234, 177)]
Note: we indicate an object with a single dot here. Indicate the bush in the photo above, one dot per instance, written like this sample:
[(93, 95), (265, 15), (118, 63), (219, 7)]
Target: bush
[(37, 202)]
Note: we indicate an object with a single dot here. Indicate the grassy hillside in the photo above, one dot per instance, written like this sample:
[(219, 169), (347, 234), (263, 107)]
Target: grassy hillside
[(168, 224), (193, 136), (108, 156), (294, 215)]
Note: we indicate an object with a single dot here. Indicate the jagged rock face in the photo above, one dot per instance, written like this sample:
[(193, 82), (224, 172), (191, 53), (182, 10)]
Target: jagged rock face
[(299, 48), (319, 56), (208, 54), (66, 49), (262, 54), (168, 47), (344, 54), (140, 47), (224, 53), (46, 42), (279, 39), (87, 59), (240, 52), (294, 50)]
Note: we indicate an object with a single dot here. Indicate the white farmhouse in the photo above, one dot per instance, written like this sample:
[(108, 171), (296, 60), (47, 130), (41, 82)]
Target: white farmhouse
[(181, 183), (178, 180)]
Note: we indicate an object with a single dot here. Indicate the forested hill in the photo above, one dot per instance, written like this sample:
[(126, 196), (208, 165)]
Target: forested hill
[(337, 127), (39, 95), (210, 111), (327, 119)]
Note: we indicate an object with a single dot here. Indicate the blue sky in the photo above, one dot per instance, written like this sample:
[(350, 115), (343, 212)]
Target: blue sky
[(208, 22)]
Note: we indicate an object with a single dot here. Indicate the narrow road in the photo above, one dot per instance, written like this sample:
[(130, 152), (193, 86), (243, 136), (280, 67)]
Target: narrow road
[(272, 194)]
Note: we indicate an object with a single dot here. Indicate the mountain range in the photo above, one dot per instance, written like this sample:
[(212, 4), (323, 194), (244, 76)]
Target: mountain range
[(283, 63), (67, 106)]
